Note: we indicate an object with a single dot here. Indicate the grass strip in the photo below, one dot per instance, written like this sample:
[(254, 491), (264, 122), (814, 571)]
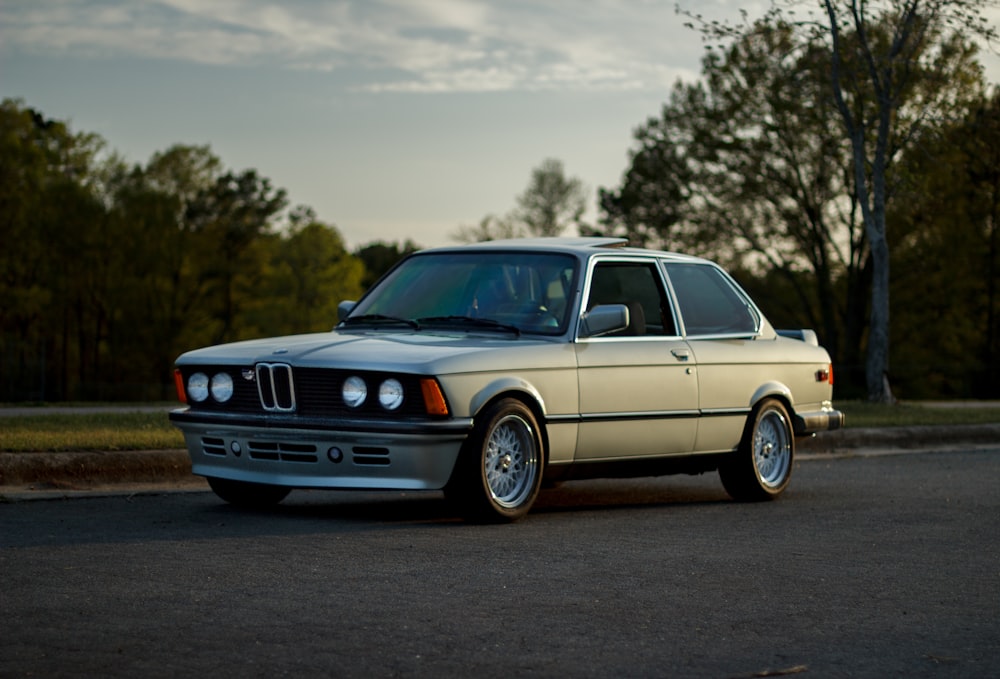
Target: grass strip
[(87, 432), (153, 431), (860, 414)]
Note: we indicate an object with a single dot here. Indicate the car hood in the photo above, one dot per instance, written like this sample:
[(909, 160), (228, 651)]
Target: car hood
[(428, 353)]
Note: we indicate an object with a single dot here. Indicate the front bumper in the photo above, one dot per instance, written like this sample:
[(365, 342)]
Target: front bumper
[(283, 451)]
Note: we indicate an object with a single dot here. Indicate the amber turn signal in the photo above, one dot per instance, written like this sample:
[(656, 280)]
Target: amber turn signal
[(179, 383), (434, 401)]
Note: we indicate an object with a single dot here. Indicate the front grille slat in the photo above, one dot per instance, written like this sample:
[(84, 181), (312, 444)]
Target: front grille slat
[(265, 388)]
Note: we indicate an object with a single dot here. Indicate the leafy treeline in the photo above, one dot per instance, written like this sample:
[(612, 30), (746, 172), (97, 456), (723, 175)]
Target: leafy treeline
[(108, 271), (818, 159)]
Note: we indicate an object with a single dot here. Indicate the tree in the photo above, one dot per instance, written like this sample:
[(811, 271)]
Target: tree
[(379, 256), (51, 225), (885, 72), (945, 259), (745, 167), (26, 141), (984, 177), (308, 273), (161, 289), (549, 205), (489, 227), (229, 218), (888, 65), (108, 271), (551, 202)]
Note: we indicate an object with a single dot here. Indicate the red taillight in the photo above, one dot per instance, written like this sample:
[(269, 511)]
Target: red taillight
[(825, 375), (179, 383)]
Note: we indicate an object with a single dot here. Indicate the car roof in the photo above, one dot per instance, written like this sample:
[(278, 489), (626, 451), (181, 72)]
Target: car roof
[(581, 246)]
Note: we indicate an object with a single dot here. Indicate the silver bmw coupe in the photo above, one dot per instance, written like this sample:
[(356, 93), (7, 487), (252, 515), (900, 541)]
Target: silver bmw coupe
[(484, 370)]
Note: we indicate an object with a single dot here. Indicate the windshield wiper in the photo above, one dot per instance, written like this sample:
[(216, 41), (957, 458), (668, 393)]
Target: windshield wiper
[(469, 322), (380, 319)]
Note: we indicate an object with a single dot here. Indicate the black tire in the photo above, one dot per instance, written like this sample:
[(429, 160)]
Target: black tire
[(761, 467), (246, 494), (499, 470)]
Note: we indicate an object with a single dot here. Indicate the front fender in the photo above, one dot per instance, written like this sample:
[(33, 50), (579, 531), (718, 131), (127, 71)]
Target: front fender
[(504, 385)]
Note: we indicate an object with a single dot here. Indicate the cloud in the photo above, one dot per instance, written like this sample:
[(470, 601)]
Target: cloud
[(388, 45)]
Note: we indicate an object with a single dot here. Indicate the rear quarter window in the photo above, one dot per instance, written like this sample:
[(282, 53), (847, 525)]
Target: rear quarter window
[(708, 302)]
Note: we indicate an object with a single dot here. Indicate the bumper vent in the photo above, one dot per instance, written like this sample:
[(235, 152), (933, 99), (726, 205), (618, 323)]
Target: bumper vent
[(212, 446), (282, 452), (370, 456)]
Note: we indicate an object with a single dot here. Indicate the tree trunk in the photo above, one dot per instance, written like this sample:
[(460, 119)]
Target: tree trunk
[(877, 360)]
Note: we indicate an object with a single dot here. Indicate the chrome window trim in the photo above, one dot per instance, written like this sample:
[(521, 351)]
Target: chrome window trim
[(657, 263), (758, 316)]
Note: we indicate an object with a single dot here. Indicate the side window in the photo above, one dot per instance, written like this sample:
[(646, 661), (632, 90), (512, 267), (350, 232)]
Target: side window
[(708, 302), (638, 287)]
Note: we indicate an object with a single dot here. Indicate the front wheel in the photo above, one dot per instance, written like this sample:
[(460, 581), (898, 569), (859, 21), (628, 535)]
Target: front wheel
[(499, 471), (761, 467), (246, 494)]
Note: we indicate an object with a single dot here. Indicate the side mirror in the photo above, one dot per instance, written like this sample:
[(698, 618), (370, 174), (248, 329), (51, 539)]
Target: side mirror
[(604, 319), (344, 309)]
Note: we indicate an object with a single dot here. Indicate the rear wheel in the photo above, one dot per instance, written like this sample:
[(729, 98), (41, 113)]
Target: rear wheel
[(499, 471), (761, 467), (246, 494)]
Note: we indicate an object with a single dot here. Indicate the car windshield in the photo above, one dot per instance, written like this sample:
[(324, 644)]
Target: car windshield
[(512, 292)]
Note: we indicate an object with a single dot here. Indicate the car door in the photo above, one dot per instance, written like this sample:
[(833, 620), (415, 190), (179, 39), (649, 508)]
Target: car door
[(722, 328), (638, 387)]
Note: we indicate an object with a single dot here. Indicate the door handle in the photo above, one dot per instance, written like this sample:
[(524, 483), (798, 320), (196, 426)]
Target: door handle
[(681, 354)]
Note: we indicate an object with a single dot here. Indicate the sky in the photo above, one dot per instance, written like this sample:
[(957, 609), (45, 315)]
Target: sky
[(391, 119)]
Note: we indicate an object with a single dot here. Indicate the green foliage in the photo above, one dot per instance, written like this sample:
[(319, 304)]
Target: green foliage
[(489, 227), (108, 272), (308, 272), (751, 165), (552, 201), (231, 218), (946, 260), (550, 204), (379, 256)]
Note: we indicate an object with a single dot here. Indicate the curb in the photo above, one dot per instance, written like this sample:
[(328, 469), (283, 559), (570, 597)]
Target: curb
[(94, 468), (85, 470), (904, 438)]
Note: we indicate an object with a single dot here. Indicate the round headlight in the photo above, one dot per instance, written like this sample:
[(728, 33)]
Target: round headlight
[(222, 387), (390, 394), (198, 387), (354, 391)]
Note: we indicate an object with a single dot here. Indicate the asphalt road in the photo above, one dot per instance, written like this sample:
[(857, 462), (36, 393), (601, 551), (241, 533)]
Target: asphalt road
[(868, 567)]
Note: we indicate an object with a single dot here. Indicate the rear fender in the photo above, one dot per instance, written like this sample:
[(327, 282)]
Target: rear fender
[(773, 390)]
